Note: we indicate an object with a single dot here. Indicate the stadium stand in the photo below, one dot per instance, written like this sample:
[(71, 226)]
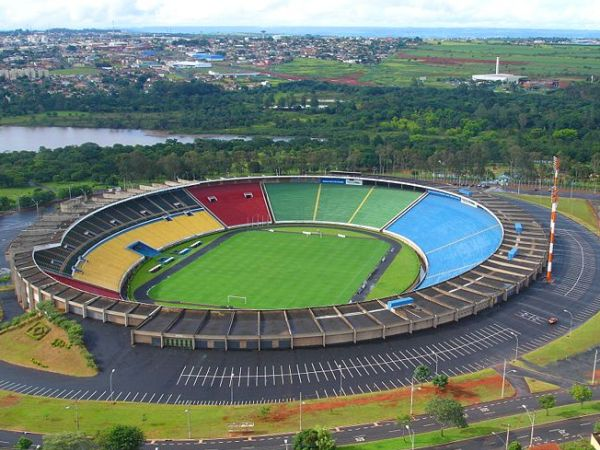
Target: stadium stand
[(234, 203), (455, 237), (110, 220), (292, 201), (106, 264), (383, 205), (337, 202)]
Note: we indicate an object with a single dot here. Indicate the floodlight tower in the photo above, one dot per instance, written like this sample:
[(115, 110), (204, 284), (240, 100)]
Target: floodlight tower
[(556, 164)]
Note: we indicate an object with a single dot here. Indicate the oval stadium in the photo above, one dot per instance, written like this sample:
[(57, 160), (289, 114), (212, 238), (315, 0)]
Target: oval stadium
[(279, 262)]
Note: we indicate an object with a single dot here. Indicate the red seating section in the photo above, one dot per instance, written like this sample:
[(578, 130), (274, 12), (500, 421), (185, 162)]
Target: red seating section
[(233, 205), (87, 287)]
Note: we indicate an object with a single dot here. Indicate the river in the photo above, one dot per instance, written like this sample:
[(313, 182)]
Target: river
[(14, 138)]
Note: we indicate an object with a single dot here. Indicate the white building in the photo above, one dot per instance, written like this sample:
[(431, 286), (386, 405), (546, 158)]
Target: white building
[(497, 77)]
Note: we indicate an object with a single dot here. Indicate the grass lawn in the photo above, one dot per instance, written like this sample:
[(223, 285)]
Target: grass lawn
[(577, 209), (276, 270), (399, 276), (142, 276), (536, 386), (45, 415), (75, 71), (582, 338), (18, 347), (484, 428)]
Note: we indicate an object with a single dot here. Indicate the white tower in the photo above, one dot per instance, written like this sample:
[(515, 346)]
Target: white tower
[(497, 65)]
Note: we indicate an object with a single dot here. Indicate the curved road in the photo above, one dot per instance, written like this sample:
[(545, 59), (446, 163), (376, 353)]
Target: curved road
[(146, 374)]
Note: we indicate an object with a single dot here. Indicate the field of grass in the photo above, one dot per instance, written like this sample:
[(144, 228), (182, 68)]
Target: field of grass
[(20, 348), (582, 338), (399, 276), (580, 210), (537, 386), (484, 428), (75, 71), (438, 62), (47, 415), (276, 270)]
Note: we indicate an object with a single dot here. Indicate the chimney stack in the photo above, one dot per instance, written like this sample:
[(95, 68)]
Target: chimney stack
[(497, 65)]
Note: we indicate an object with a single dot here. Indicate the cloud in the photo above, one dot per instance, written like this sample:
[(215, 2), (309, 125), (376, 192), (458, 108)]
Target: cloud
[(575, 14)]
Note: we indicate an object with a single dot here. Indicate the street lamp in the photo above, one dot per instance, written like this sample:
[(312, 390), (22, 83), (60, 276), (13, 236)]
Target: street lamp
[(516, 344), (504, 441), (504, 372), (340, 369), (412, 394), (594, 370), (76, 408), (189, 424), (571, 323), (301, 403), (110, 384), (285, 442), (411, 434), (531, 416), (231, 386), (436, 362)]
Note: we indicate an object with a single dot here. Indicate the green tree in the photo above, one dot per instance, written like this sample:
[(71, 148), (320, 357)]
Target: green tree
[(440, 381), (68, 441), (314, 439), (421, 373), (121, 437), (515, 445), (446, 412), (547, 401), (23, 443), (597, 427), (580, 393)]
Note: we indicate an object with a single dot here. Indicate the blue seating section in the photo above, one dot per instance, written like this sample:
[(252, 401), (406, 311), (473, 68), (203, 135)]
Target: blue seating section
[(454, 236)]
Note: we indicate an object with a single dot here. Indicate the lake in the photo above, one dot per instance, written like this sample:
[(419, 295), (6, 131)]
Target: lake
[(14, 138)]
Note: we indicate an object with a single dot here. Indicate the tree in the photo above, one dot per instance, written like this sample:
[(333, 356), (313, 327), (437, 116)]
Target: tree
[(23, 443), (314, 439), (68, 441), (421, 373), (515, 445), (121, 437), (581, 393), (547, 401), (440, 381), (597, 427), (446, 412)]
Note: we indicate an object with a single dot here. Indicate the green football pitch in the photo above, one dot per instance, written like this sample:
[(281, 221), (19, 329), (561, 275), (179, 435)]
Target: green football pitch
[(280, 269)]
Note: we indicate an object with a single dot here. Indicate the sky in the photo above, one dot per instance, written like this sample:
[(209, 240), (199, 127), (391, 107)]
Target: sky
[(543, 14)]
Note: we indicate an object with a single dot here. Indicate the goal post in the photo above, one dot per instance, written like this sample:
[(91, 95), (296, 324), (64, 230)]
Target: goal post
[(236, 298)]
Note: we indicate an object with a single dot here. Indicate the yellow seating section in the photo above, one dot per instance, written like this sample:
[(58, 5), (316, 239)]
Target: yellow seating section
[(106, 265)]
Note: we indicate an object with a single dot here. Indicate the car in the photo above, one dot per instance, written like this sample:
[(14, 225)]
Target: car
[(553, 320)]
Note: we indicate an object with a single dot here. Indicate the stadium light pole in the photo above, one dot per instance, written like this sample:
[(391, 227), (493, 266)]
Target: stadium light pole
[(531, 416), (571, 323), (110, 384), (189, 424)]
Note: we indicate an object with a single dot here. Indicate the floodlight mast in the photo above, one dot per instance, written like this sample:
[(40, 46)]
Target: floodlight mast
[(556, 164)]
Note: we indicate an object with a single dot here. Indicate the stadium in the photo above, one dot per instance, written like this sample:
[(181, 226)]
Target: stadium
[(279, 262)]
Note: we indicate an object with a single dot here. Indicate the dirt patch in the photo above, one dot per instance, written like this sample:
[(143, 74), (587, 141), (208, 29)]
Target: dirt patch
[(9, 400), (456, 61), (350, 79), (467, 392)]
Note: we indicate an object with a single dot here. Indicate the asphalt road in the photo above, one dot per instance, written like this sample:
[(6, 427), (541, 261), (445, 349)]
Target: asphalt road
[(179, 376)]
